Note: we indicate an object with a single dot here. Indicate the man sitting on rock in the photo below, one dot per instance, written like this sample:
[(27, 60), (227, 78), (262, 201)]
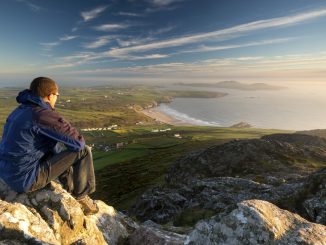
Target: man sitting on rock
[(38, 145)]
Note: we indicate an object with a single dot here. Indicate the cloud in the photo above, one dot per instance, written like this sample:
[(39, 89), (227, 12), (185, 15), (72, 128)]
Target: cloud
[(73, 60), (66, 65), (134, 49), (49, 46), (77, 57), (111, 27), (204, 48), (129, 14), (160, 3), (248, 58), (145, 57), (130, 41), (92, 14), (93, 57), (85, 57), (31, 6), (46, 55), (161, 30), (100, 42), (67, 38), (223, 34), (155, 56), (281, 67)]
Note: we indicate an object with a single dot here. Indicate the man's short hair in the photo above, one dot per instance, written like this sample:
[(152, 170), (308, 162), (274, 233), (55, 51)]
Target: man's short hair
[(43, 86)]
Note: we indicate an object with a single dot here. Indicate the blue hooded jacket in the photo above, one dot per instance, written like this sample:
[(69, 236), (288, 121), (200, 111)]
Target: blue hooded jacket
[(31, 131)]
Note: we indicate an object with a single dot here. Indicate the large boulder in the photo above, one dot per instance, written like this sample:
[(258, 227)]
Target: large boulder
[(52, 216), (20, 224), (257, 222)]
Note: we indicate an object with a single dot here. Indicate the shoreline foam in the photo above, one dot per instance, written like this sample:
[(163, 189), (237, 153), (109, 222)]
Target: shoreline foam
[(165, 114), (164, 117)]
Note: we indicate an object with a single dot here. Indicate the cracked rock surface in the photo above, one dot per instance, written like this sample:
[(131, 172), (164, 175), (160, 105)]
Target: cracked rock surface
[(52, 216)]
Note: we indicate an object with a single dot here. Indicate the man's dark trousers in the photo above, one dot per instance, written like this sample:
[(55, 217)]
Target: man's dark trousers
[(75, 171)]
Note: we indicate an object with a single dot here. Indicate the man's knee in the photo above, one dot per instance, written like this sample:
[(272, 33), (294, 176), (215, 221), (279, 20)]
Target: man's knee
[(86, 151), (88, 148)]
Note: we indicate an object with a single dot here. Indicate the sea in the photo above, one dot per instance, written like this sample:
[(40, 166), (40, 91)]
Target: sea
[(293, 108)]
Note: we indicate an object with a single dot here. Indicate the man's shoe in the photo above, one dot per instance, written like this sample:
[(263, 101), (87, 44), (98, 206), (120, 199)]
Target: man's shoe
[(88, 205)]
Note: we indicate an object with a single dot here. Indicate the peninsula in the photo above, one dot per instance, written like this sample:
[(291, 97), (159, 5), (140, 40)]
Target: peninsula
[(234, 85)]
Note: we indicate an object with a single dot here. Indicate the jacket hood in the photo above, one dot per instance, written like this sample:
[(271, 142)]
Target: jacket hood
[(26, 97)]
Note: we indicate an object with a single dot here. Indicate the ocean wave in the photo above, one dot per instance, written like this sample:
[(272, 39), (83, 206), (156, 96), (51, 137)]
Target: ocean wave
[(184, 117)]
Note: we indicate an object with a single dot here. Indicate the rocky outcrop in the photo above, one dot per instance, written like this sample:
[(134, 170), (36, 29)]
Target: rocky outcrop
[(19, 224), (210, 197), (279, 168), (213, 195), (53, 216), (257, 222), (313, 198), (285, 157)]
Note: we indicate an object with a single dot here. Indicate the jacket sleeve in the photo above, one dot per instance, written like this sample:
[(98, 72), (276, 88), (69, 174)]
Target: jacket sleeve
[(54, 126)]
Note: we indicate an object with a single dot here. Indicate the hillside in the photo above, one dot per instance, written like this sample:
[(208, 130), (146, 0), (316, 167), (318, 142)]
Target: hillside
[(315, 132), (199, 209), (285, 169)]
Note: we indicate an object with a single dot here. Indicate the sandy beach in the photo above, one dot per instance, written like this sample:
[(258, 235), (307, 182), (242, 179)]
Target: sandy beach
[(164, 118)]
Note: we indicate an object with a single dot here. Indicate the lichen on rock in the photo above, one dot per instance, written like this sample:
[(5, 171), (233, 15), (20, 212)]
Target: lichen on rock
[(52, 216), (257, 222)]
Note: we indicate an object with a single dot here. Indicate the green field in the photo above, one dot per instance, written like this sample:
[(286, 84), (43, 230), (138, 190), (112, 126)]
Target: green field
[(125, 173)]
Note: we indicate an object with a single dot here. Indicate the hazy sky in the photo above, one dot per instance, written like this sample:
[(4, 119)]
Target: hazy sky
[(158, 41)]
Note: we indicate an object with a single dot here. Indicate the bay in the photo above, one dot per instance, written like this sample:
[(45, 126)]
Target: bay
[(294, 108)]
